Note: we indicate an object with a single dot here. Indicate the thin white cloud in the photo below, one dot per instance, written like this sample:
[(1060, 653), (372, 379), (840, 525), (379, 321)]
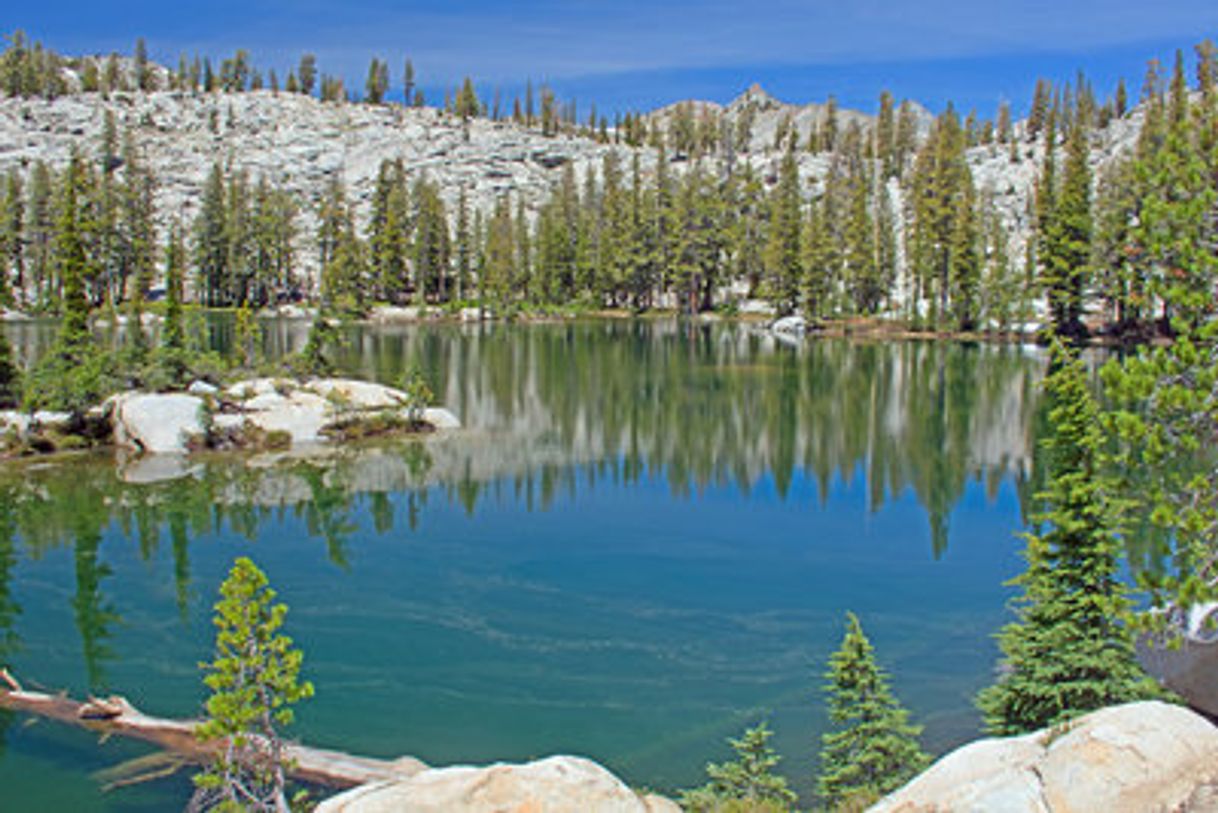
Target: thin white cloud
[(554, 39)]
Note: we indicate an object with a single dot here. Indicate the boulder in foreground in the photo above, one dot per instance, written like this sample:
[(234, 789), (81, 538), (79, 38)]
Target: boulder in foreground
[(559, 784), (1135, 758)]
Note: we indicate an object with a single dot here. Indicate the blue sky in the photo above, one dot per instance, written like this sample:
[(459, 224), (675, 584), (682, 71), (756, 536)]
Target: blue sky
[(638, 54)]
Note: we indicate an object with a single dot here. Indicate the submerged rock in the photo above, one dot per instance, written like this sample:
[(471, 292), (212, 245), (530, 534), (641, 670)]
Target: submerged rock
[(559, 784), (1125, 759)]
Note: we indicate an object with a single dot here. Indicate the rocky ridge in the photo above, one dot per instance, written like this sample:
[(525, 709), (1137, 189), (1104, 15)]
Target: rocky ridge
[(297, 143), (302, 144)]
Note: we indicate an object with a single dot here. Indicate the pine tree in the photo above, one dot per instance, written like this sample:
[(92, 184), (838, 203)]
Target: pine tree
[(211, 231), (828, 126), (883, 142), (1069, 651), (1159, 422), (408, 83), (464, 249), (467, 105), (75, 374), (172, 334), (389, 232), (1040, 108), (782, 248), (942, 253), (377, 84), (10, 375), (73, 341), (500, 259), (171, 355), (749, 780), (143, 79), (344, 256), (306, 74), (432, 242), (12, 241), (821, 263), (862, 272), (1065, 227), (873, 748), (255, 681), (1176, 228)]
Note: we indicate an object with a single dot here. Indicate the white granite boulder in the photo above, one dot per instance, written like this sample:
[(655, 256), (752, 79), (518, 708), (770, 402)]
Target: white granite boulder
[(304, 411), (790, 326), (201, 387), (358, 394), (559, 784), (23, 422), (301, 414), (1134, 758), (160, 423), (441, 418)]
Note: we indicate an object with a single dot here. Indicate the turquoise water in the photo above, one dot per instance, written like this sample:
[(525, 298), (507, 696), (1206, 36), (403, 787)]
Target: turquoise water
[(645, 540)]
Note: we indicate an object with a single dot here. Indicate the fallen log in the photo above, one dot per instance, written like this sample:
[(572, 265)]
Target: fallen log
[(116, 716)]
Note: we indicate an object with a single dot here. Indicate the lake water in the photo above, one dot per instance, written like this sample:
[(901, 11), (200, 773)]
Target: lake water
[(645, 540)]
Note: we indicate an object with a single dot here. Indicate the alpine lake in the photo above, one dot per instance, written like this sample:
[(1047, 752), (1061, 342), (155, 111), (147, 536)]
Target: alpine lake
[(644, 539)]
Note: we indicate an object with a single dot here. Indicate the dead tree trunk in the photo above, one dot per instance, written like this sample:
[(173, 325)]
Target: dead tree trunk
[(116, 716)]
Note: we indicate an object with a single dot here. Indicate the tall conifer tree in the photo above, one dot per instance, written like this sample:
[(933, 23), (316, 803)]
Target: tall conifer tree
[(1068, 652)]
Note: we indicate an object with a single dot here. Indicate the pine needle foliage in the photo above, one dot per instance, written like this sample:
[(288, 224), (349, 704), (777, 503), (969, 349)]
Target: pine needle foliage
[(1068, 652), (1164, 421), (10, 374), (255, 681), (872, 749), (747, 783)]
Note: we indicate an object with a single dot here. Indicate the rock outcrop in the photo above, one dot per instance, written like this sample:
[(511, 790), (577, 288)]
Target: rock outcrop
[(559, 784), (300, 144), (1135, 758), (791, 326), (157, 423), (299, 413)]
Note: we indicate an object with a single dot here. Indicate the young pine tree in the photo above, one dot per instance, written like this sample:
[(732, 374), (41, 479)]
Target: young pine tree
[(747, 784), (255, 681), (1068, 652), (171, 355), (873, 748)]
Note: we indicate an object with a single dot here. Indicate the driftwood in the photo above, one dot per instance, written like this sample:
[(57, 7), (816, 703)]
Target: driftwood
[(116, 716)]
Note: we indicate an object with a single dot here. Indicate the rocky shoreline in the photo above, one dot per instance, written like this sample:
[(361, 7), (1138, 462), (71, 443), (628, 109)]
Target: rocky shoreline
[(255, 414)]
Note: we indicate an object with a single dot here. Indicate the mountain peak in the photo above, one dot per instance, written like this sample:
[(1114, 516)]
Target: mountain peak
[(757, 97)]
